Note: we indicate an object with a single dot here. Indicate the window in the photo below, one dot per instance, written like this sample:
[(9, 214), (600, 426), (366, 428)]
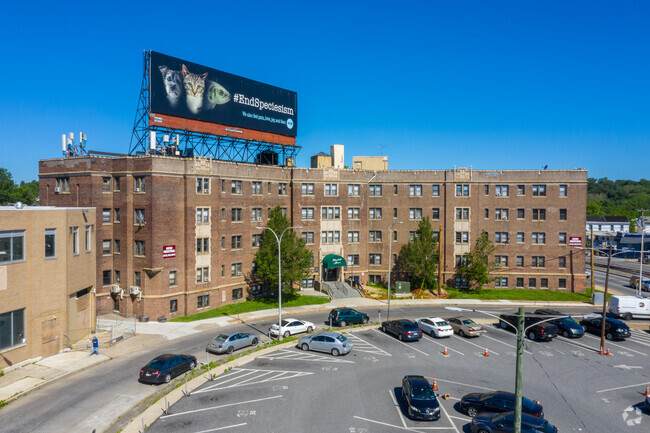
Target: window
[(394, 212), (520, 261), (462, 190), (257, 240), (106, 215), (521, 214), (353, 259), (375, 236), (462, 213), (118, 277), (501, 214), (520, 237), (173, 305), (203, 274), (562, 214), (235, 214), (202, 245), (136, 279), (235, 269), (331, 189), (375, 213), (257, 188), (282, 189), (331, 213), (235, 242), (283, 210), (415, 213), (538, 237), (561, 283), (461, 260), (106, 246), (461, 282), (235, 187), (562, 237), (353, 213), (223, 185), (487, 189), (521, 189), (116, 215), (202, 185), (116, 246), (462, 237), (353, 189), (375, 259), (520, 282), (412, 235), (256, 289), (138, 184), (139, 248), (561, 262), (353, 236), (532, 283), (106, 184), (330, 237), (436, 213), (538, 261), (501, 282), (202, 215), (75, 241), (501, 261), (487, 213), (256, 214), (543, 283), (308, 237), (237, 293), (139, 217), (375, 190), (394, 189), (223, 270), (50, 243), (539, 190), (539, 214), (563, 190), (172, 278), (501, 237), (308, 213), (501, 190), (106, 278), (436, 190), (307, 189), (415, 190), (394, 235), (88, 239), (12, 328), (223, 242), (62, 184), (202, 301)]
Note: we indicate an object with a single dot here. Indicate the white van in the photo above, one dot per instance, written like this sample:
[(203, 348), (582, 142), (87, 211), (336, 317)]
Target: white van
[(628, 307)]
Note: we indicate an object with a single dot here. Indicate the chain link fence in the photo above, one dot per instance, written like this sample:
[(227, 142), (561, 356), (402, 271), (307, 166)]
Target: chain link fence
[(117, 326)]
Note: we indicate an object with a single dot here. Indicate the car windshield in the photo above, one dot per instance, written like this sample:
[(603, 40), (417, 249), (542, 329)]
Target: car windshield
[(499, 417), (409, 325), (422, 392), (567, 321), (442, 323), (285, 322), (157, 364), (221, 338), (469, 322), (486, 396), (341, 338)]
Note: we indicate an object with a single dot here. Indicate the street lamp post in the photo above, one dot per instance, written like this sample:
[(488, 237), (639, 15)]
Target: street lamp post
[(390, 259), (279, 273)]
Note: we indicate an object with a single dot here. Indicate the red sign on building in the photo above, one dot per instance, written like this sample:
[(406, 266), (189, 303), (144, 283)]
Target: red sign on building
[(575, 241), (169, 251)]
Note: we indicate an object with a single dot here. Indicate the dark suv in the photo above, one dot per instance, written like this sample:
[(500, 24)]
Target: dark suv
[(402, 329), (498, 401), (541, 332), (345, 316), (567, 326), (421, 401)]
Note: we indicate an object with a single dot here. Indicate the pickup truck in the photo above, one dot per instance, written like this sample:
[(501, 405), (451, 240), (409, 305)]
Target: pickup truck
[(540, 332)]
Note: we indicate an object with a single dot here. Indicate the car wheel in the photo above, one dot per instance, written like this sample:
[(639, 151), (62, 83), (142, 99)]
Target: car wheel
[(168, 377), (483, 431), (627, 316), (565, 334), (343, 323), (335, 352), (310, 328), (400, 337), (433, 333), (229, 350), (383, 329), (365, 321), (461, 333), (287, 334), (503, 324), (531, 335), (305, 347), (609, 336), (254, 342), (472, 411), (192, 365)]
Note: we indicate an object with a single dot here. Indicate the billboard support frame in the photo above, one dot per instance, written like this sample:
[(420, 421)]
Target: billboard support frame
[(191, 143)]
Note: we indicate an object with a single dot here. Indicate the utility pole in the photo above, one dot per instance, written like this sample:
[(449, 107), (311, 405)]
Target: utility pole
[(602, 329), (592, 259), (439, 259), (642, 225), (519, 370)]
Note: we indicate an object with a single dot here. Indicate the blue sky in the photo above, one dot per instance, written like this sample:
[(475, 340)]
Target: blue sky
[(430, 84)]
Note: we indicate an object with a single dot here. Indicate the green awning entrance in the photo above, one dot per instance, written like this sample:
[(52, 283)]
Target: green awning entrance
[(333, 261)]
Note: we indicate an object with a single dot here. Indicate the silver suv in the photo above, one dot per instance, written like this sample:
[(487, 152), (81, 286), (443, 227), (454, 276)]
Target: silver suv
[(326, 341), (634, 280)]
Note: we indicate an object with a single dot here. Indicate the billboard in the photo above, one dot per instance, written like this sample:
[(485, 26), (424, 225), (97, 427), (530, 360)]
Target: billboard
[(575, 241), (203, 96)]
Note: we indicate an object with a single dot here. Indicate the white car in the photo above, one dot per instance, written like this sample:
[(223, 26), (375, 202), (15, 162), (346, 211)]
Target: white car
[(435, 326), (290, 327)]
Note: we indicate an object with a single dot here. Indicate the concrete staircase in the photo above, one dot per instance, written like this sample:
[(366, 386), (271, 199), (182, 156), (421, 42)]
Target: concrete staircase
[(338, 290)]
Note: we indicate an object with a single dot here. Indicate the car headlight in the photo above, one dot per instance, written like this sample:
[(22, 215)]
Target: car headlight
[(574, 331), (414, 409), (620, 330)]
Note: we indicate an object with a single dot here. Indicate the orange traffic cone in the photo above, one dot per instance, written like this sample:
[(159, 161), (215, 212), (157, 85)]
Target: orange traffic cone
[(435, 384), (602, 352), (647, 390), (445, 352), (486, 352), (608, 351)]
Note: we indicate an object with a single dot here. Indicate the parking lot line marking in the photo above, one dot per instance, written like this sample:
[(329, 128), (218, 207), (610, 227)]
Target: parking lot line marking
[(289, 355), (622, 387), (575, 343), (447, 415), (220, 406), (222, 428), (474, 344), (407, 345), (464, 384), (443, 345), (377, 350), (386, 424), (617, 345), (399, 412), (507, 344), (464, 419), (261, 377)]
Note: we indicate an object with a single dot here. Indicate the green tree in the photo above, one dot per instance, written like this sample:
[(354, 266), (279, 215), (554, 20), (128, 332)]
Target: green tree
[(418, 260), (296, 258), (479, 262), (11, 193)]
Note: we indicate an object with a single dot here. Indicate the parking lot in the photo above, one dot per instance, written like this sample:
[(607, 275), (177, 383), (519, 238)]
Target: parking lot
[(292, 390)]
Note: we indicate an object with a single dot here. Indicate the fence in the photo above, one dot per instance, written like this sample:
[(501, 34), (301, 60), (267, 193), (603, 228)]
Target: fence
[(119, 327)]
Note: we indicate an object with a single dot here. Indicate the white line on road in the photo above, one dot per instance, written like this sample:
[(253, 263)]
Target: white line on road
[(407, 345), (383, 352), (447, 415), (464, 384), (617, 345), (222, 428), (443, 345), (221, 406), (399, 412), (509, 345), (386, 424), (622, 387), (474, 344)]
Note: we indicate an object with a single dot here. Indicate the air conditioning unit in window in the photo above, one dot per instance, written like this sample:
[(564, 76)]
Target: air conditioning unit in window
[(115, 288), (505, 218), (57, 189), (498, 194), (136, 291)]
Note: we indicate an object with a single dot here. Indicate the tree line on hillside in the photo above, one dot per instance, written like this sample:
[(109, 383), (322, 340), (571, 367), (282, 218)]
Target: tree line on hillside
[(26, 192), (620, 197)]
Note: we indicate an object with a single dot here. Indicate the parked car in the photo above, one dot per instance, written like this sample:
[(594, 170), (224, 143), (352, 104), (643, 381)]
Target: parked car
[(164, 367), (290, 327), (228, 342), (464, 326), (504, 423), (614, 328), (345, 316), (541, 332), (402, 329), (420, 400), (634, 282), (566, 326), (498, 401), (629, 307), (326, 341), (435, 326)]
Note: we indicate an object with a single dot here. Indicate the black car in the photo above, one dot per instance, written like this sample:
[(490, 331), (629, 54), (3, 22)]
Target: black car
[(505, 423), (646, 404), (614, 328), (498, 401), (420, 399), (345, 316), (402, 329), (164, 367), (566, 326), (541, 332)]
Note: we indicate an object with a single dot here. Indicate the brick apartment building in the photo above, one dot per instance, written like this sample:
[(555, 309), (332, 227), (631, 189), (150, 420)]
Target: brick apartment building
[(182, 231)]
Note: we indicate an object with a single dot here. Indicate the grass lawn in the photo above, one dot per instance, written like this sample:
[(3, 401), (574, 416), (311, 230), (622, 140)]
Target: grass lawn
[(517, 295), (288, 300)]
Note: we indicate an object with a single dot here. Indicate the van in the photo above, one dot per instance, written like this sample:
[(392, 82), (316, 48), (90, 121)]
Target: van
[(629, 307), (634, 282)]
